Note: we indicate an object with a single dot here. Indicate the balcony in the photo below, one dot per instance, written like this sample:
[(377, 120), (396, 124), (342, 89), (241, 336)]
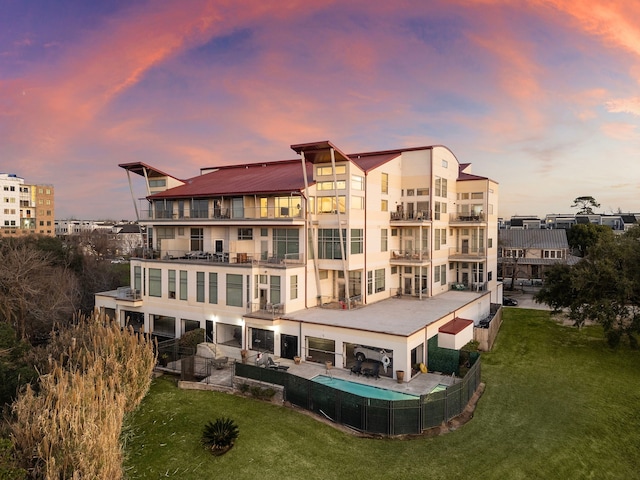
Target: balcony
[(409, 292), (223, 214), (245, 258), (404, 257), (467, 218), (409, 217), (467, 253), (268, 311)]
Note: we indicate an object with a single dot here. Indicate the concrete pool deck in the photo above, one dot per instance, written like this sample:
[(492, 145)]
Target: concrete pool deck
[(420, 384)]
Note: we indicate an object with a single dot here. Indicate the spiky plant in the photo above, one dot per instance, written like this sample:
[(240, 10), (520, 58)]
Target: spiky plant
[(220, 435)]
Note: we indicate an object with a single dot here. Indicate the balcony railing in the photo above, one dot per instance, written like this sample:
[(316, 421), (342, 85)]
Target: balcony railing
[(266, 310), (467, 252), (467, 217), (128, 293), (229, 257), (418, 216), (472, 286), (222, 213), (410, 255), (409, 292)]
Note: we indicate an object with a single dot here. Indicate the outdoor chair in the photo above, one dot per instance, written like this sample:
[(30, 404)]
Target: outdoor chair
[(275, 365), (372, 372), (357, 368)]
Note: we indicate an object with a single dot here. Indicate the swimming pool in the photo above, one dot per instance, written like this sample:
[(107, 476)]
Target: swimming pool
[(438, 388), (361, 389)]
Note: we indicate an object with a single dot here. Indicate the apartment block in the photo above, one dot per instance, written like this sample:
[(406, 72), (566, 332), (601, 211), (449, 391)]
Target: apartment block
[(26, 208), (314, 256)]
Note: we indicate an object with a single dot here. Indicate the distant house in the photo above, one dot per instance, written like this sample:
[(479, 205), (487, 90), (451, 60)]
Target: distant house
[(525, 254), (525, 223)]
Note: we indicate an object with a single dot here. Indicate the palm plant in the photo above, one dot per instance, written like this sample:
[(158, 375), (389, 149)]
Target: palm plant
[(220, 435)]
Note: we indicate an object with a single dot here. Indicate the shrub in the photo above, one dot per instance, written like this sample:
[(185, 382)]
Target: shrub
[(191, 339), (219, 436)]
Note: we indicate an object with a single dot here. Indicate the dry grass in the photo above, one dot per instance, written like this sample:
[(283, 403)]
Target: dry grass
[(69, 426)]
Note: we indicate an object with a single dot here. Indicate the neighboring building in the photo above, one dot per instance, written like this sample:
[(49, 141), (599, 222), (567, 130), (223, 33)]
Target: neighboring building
[(529, 252), (314, 256), (525, 223), (26, 208), (125, 237), (564, 221)]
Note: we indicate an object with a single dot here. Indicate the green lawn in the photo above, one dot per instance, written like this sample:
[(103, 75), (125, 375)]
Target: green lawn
[(558, 404)]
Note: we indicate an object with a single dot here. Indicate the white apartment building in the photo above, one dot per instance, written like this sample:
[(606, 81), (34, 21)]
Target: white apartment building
[(313, 256)]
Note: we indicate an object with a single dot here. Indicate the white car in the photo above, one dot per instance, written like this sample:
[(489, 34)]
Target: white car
[(363, 352)]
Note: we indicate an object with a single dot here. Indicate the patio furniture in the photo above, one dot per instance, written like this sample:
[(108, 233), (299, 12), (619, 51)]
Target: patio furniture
[(357, 368), (276, 365), (220, 363)]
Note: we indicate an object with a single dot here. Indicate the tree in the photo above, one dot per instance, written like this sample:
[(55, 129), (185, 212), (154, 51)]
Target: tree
[(603, 287), (583, 236), (37, 289), (585, 204)]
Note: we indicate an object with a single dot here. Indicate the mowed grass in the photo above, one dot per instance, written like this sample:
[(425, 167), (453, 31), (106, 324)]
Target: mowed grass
[(558, 404)]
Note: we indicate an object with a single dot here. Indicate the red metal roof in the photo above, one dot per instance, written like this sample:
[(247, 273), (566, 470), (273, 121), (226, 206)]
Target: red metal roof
[(258, 178), (455, 326)]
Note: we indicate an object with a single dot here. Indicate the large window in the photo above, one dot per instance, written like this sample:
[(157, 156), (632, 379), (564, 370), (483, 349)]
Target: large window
[(234, 290), (329, 205), (339, 185), (286, 242), (197, 239), (340, 170), (293, 293), (245, 234), (380, 284), (137, 278), (164, 326), (384, 240), (155, 282), (357, 241), (172, 284), (329, 243), (357, 182), (199, 286), (184, 291), (384, 182), (213, 287), (355, 282), (199, 208), (274, 289)]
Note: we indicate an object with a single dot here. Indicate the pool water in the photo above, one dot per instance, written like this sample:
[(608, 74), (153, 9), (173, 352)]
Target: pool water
[(361, 389)]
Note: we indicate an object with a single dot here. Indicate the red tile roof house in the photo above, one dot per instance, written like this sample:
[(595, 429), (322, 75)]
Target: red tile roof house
[(312, 256)]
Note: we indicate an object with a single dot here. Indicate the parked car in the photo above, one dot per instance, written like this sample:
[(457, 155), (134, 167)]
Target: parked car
[(509, 302), (363, 352)]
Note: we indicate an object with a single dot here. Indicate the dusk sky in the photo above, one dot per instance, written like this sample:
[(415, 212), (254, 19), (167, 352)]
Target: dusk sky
[(542, 96)]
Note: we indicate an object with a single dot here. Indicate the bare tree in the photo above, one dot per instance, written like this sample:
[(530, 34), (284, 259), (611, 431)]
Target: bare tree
[(34, 292)]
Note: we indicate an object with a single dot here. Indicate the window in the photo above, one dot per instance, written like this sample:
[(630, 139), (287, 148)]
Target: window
[(329, 243), (286, 243), (213, 287), (437, 206), (436, 274), (422, 192), (340, 170), (234, 290), (355, 283), (443, 274), (183, 285), (264, 232), (438, 187), (357, 241), (199, 208), (394, 270), (384, 205), (384, 240), (339, 185), (197, 239), (477, 195), (357, 203), (384, 182), (357, 182), (490, 243), (323, 274), (370, 282), (165, 232), (328, 204), (157, 183), (172, 284), (443, 236), (137, 278), (380, 280), (155, 282), (274, 289), (293, 293), (200, 287), (245, 234), (410, 192)]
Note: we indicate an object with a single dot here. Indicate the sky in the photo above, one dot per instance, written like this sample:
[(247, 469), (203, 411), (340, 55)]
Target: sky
[(541, 96)]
